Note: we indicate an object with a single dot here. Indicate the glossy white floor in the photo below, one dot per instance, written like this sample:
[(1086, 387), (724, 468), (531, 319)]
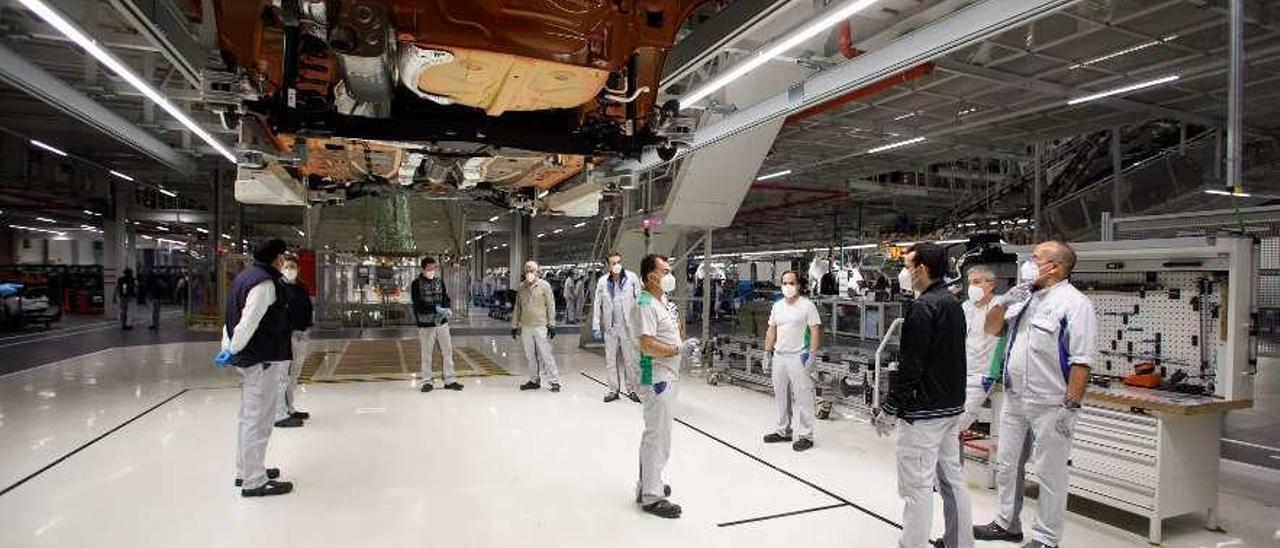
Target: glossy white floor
[(382, 465)]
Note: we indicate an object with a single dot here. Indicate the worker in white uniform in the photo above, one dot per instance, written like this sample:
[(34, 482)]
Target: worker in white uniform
[(662, 345), (1052, 334), (790, 348), (927, 393), (978, 348), (256, 341), (570, 293), (615, 296), (533, 322)]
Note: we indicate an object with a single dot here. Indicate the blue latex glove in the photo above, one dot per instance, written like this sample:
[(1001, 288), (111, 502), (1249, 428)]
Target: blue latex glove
[(660, 387), (445, 313), (987, 383), (804, 358), (223, 359), (598, 334)]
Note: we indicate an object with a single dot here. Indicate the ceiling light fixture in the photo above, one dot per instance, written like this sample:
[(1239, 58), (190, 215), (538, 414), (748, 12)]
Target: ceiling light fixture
[(1125, 89), (783, 173), (1228, 193), (904, 116), (161, 228), (120, 175), (66, 27), (809, 30), (300, 233), (34, 229), (543, 234), (168, 193), (898, 144), (494, 218), (46, 219), (580, 225), (557, 231), (202, 230), (48, 147), (1124, 51), (225, 236)]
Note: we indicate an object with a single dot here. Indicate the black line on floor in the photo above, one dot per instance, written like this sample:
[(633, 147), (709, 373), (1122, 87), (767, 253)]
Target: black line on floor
[(91, 442), (812, 485), (782, 515)]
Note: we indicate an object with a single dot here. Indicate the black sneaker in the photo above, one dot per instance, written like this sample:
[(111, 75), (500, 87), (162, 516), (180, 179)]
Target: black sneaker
[(663, 509), (291, 422), (269, 489), (300, 414), (1037, 544), (776, 438), (153, 327), (611, 397), (802, 444), (531, 385), (938, 543), (272, 473), (633, 397), (993, 531), (555, 387), (666, 492), (453, 386), (426, 387)]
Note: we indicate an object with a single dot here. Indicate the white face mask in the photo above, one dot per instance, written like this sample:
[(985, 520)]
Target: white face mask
[(789, 291), (290, 274), (431, 274), (530, 276), (904, 279), (668, 283), (976, 293), (616, 268), (1028, 272)]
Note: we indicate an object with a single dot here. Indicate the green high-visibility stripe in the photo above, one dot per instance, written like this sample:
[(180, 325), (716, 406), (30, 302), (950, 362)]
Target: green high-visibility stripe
[(646, 370), (996, 369)]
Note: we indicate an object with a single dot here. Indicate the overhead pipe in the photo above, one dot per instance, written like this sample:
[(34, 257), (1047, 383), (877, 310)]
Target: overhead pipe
[(846, 41), (874, 88)]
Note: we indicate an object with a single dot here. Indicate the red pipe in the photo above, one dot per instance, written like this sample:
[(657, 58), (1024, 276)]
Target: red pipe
[(789, 188), (846, 41), (918, 71)]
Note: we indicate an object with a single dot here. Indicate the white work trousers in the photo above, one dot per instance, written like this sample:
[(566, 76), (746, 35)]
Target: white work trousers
[(793, 391), (1049, 454), (975, 396), (259, 387), (655, 442), (537, 351), (927, 448), (620, 374), (571, 309), (289, 381), (428, 337)]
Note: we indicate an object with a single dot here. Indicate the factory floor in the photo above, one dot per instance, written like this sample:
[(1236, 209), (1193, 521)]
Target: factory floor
[(134, 446)]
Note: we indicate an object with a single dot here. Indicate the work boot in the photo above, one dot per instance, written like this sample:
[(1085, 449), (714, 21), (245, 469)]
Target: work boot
[(938, 543), (633, 397), (1037, 544), (455, 385), (300, 414), (611, 397), (272, 473), (531, 385), (269, 489), (802, 444), (290, 422), (555, 387), (776, 438), (663, 509), (427, 387), (153, 327), (666, 492), (993, 531)]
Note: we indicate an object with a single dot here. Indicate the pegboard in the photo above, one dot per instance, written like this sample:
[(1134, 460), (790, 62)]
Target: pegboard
[(1171, 319)]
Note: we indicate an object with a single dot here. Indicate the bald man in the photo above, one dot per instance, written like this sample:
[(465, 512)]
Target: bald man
[(533, 321), (1052, 335)]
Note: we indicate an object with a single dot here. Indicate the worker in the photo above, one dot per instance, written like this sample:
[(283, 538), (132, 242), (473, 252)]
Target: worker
[(662, 344), (927, 394), (432, 309), (533, 321), (255, 339), (978, 347), (569, 293), (615, 297), (126, 290), (1052, 335), (300, 321), (790, 348), (155, 290)]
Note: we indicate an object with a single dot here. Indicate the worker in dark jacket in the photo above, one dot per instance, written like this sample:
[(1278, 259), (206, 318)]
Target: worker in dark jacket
[(432, 309), (126, 290), (256, 341), (155, 290), (927, 393), (288, 416)]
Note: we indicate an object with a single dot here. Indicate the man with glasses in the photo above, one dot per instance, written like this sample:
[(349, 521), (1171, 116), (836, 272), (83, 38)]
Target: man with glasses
[(1052, 334)]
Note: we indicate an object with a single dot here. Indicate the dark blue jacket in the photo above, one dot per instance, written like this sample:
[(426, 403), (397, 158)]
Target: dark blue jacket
[(270, 342)]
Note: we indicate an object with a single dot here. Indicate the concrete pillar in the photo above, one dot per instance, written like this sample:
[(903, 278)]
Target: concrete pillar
[(116, 245), (706, 287), (520, 247)]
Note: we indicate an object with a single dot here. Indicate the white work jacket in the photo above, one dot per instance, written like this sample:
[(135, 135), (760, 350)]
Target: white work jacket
[(613, 303)]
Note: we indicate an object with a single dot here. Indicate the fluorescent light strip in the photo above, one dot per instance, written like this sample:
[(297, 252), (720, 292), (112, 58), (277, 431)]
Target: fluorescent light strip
[(774, 175), (300, 233), (557, 231), (168, 193), (1228, 193), (120, 175), (48, 147), (46, 219), (202, 230), (898, 144), (66, 27), (494, 218), (1125, 89), (161, 228), (810, 30), (34, 229), (1125, 51), (580, 225), (905, 116)]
